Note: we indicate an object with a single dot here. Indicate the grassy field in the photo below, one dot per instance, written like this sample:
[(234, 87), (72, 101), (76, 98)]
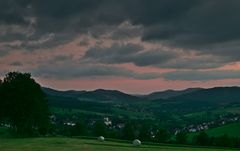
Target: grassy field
[(66, 112), (230, 129), (76, 144), (232, 109)]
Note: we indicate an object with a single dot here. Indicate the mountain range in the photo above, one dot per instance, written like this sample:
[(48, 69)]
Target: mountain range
[(162, 105), (192, 96), (102, 95)]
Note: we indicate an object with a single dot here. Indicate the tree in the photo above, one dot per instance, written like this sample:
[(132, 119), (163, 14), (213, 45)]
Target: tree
[(23, 104), (181, 137), (128, 131), (203, 138), (99, 129), (144, 133), (162, 135), (1, 106), (224, 140), (79, 129)]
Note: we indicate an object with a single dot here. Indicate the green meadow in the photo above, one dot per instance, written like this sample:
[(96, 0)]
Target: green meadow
[(80, 144), (230, 129)]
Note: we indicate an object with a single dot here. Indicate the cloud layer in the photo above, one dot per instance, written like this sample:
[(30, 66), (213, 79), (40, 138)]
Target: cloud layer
[(202, 75), (137, 39)]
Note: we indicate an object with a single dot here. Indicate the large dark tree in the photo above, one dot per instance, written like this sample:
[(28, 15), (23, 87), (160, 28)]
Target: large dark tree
[(23, 104), (99, 128), (144, 133), (224, 140), (128, 131), (79, 129), (162, 135), (181, 138), (1, 107), (203, 138)]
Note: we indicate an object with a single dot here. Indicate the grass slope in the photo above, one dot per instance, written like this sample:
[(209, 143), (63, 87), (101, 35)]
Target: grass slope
[(71, 144), (230, 129)]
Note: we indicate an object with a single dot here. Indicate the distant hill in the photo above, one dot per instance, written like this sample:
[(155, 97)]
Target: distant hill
[(69, 93), (108, 96), (99, 95), (217, 95), (196, 100), (169, 93), (189, 100)]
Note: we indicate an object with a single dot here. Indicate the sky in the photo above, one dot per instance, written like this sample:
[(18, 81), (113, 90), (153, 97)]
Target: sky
[(136, 46)]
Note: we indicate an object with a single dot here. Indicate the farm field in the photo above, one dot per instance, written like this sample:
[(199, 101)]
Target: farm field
[(74, 144)]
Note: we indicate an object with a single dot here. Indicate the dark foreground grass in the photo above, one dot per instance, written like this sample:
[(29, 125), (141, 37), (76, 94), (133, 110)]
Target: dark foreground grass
[(77, 144)]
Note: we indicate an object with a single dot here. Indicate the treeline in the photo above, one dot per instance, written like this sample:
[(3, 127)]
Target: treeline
[(131, 130), (204, 139), (146, 133)]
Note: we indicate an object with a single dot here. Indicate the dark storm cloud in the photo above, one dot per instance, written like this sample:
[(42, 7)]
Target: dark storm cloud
[(62, 57), (203, 28), (128, 53), (66, 67), (194, 75), (198, 62), (16, 63), (38, 19), (138, 55), (88, 71), (3, 53), (207, 26), (153, 57), (200, 21), (117, 53), (84, 42), (95, 11), (187, 23), (4, 50), (124, 33), (12, 12), (59, 15)]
